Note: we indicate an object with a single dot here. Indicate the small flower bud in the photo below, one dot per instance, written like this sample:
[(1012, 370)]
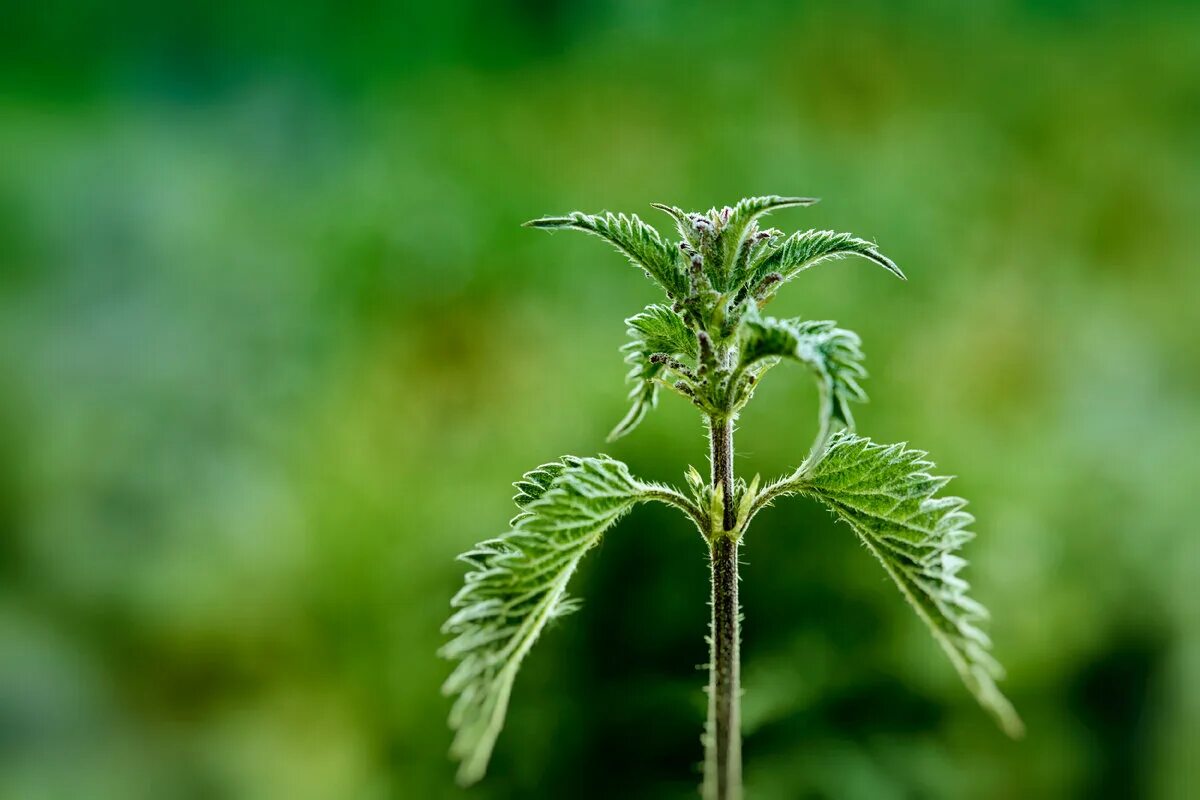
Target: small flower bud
[(764, 235), (766, 283)]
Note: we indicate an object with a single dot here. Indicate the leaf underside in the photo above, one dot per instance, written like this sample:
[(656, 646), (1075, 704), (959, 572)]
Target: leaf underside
[(886, 494), (517, 584), (832, 353)]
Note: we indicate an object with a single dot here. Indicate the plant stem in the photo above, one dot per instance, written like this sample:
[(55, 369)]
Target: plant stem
[(723, 743)]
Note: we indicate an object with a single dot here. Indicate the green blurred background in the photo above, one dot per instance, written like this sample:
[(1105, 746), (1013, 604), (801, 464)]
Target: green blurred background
[(273, 344)]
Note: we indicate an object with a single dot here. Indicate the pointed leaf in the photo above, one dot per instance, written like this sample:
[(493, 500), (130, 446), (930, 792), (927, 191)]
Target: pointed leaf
[(639, 242), (802, 250)]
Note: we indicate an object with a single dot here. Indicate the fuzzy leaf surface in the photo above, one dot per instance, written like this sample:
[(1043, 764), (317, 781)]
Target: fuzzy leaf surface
[(742, 226), (806, 249), (749, 209), (517, 583), (658, 329), (641, 243), (888, 496)]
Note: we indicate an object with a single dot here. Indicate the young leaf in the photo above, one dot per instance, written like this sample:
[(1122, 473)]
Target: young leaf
[(640, 243), (751, 208), (517, 584), (886, 494), (657, 330), (682, 225), (833, 354), (741, 237), (802, 250)]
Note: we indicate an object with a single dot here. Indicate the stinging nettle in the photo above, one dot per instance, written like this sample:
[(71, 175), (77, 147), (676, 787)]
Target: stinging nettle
[(711, 344)]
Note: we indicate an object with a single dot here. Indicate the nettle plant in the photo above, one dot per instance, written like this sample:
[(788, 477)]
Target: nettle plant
[(711, 344)]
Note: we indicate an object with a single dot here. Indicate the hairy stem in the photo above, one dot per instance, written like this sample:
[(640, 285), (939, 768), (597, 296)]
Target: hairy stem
[(723, 742), (721, 456)]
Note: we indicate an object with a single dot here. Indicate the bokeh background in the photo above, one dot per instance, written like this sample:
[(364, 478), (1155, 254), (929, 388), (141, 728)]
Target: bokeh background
[(273, 345)]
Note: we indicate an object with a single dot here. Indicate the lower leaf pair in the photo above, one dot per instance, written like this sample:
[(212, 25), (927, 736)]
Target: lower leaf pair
[(518, 581)]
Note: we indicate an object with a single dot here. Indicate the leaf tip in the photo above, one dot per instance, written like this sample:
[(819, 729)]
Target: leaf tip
[(888, 264), (1015, 728), (671, 211), (1009, 720), (468, 777), (547, 222)]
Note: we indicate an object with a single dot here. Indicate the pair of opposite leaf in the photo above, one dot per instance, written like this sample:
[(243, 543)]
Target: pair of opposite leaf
[(717, 278)]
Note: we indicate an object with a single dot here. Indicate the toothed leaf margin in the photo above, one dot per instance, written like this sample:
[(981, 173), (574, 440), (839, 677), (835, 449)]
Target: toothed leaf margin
[(887, 495), (517, 584)]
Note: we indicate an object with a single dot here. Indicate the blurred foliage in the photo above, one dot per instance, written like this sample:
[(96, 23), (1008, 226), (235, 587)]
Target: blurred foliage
[(274, 344)]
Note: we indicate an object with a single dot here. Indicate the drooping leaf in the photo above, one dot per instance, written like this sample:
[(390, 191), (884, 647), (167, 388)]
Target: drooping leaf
[(642, 244), (834, 355), (887, 495), (517, 584), (658, 329), (802, 250)]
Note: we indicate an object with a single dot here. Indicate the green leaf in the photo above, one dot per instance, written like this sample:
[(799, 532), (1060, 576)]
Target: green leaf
[(751, 208), (802, 250), (642, 244), (888, 496), (686, 232), (658, 329), (741, 227), (834, 355), (517, 584)]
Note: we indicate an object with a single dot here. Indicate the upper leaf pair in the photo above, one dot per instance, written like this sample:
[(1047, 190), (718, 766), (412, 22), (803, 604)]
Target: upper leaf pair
[(662, 345), (718, 275), (722, 250)]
